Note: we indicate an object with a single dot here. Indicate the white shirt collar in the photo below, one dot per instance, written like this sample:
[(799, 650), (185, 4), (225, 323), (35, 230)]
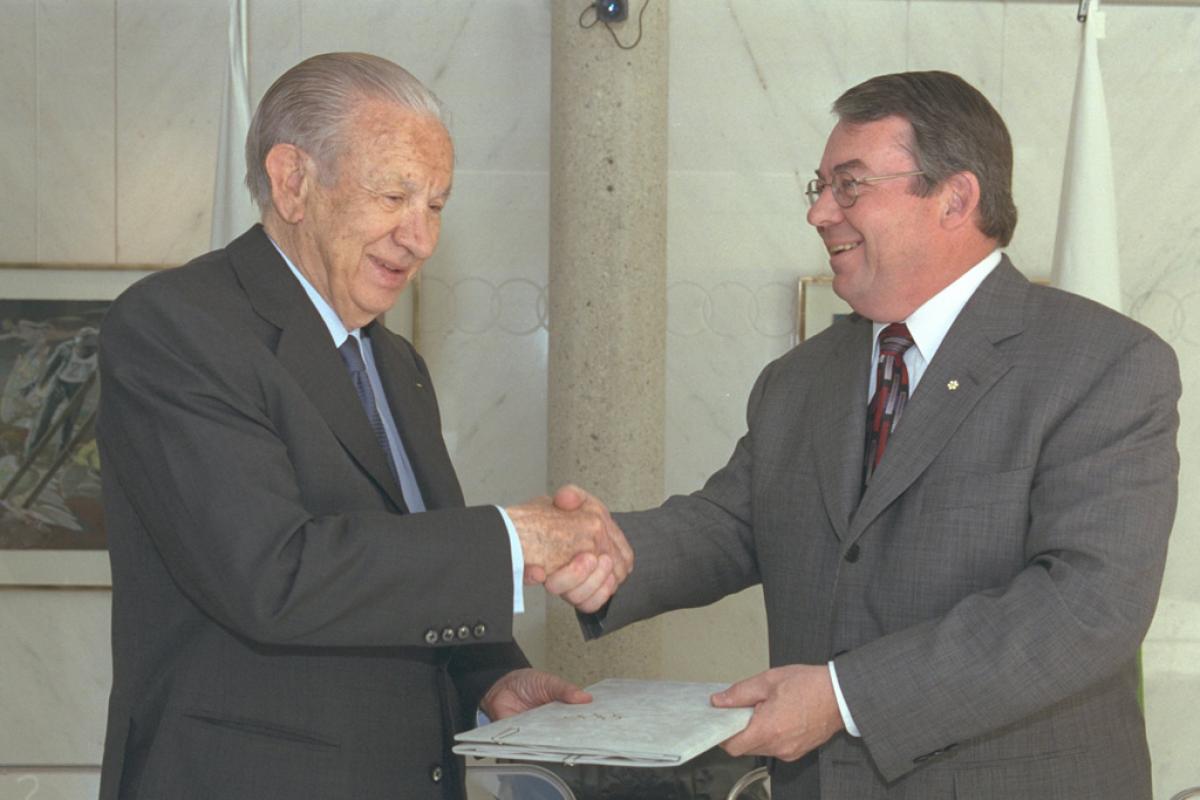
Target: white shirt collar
[(332, 321), (930, 323)]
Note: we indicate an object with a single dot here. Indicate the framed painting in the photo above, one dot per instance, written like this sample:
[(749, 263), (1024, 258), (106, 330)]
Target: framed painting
[(817, 307), (51, 514)]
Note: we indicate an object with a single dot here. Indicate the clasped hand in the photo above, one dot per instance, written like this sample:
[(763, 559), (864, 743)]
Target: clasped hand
[(572, 545)]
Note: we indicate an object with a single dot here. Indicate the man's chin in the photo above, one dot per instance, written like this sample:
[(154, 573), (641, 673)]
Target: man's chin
[(843, 286), (383, 301)]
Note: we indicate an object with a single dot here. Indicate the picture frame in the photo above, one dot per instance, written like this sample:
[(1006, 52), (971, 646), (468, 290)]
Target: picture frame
[(44, 311), (817, 306)]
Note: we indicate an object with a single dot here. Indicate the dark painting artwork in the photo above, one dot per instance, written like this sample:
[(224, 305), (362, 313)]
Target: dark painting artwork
[(49, 466)]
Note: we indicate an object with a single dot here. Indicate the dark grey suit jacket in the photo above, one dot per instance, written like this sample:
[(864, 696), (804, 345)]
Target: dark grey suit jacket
[(281, 627), (985, 598)]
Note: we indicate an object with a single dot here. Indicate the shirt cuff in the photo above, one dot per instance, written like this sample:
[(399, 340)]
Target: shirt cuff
[(847, 720), (518, 562)]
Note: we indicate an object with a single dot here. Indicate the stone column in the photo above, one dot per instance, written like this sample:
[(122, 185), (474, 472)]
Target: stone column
[(607, 308)]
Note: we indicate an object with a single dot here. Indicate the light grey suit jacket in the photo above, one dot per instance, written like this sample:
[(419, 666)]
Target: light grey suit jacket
[(281, 628), (984, 599)]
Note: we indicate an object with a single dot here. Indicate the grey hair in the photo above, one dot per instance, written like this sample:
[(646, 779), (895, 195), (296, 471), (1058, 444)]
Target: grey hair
[(955, 129), (310, 104)]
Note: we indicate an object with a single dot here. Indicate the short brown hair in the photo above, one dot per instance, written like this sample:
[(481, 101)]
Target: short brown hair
[(955, 129)]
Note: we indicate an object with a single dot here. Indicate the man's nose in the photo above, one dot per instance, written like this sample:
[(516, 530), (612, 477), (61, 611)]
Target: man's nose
[(825, 211), (418, 233)]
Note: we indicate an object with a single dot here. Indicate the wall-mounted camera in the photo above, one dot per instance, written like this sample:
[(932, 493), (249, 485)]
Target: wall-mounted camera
[(611, 10), (608, 12)]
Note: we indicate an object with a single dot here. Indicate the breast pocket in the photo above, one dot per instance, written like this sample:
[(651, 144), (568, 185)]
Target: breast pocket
[(977, 522), (978, 490)]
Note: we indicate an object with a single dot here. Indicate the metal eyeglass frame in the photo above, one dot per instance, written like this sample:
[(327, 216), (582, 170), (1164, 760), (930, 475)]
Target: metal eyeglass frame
[(845, 186)]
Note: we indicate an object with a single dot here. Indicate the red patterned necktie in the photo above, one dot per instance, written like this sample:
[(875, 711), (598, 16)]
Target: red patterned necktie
[(891, 393)]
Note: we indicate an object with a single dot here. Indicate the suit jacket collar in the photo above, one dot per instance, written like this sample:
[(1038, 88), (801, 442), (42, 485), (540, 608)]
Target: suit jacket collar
[(306, 350), (965, 368), (839, 419)]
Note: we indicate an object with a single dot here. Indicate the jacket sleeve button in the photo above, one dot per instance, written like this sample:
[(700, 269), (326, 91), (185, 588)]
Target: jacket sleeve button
[(431, 636), (435, 773), (448, 634), (480, 630), (463, 631)]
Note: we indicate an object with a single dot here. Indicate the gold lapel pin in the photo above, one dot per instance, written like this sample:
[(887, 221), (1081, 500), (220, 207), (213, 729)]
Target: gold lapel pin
[(952, 385)]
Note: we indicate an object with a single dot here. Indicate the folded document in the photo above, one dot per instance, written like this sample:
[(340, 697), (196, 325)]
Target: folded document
[(628, 723)]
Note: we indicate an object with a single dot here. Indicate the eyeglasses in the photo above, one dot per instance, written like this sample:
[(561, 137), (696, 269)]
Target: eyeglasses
[(845, 186)]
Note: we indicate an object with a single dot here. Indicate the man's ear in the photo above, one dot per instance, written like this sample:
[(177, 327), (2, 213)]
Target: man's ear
[(960, 199), (291, 172)]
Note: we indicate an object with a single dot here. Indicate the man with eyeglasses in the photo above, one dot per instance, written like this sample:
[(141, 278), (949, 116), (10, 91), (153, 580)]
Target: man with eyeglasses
[(957, 500)]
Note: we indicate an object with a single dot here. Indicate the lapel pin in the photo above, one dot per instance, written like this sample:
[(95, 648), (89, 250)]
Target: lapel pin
[(420, 385), (952, 385)]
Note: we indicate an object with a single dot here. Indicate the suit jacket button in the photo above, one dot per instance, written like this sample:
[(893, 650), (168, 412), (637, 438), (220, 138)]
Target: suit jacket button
[(941, 751), (463, 631), (448, 634), (852, 554), (480, 630), (435, 773), (431, 636)]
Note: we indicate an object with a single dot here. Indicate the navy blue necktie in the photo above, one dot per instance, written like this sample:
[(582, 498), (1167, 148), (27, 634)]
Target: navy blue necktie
[(362, 384)]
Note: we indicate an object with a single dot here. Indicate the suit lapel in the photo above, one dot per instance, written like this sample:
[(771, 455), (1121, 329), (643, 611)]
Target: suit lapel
[(966, 367), (306, 350), (414, 408), (839, 418)]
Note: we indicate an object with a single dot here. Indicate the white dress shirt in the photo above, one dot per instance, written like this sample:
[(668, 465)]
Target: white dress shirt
[(928, 326)]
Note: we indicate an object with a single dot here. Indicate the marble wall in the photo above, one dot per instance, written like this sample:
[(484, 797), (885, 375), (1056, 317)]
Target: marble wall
[(108, 133)]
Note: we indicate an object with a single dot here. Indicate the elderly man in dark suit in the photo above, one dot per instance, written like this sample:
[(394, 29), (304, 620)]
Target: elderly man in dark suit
[(957, 500), (302, 605)]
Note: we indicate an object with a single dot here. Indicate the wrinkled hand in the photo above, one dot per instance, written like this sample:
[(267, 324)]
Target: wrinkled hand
[(562, 531), (588, 581), (795, 711), (523, 689)]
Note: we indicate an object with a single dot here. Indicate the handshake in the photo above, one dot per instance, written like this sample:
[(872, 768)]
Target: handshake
[(572, 545)]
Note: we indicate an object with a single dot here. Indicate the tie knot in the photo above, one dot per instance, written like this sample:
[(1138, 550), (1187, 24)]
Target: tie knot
[(352, 355), (895, 339)]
